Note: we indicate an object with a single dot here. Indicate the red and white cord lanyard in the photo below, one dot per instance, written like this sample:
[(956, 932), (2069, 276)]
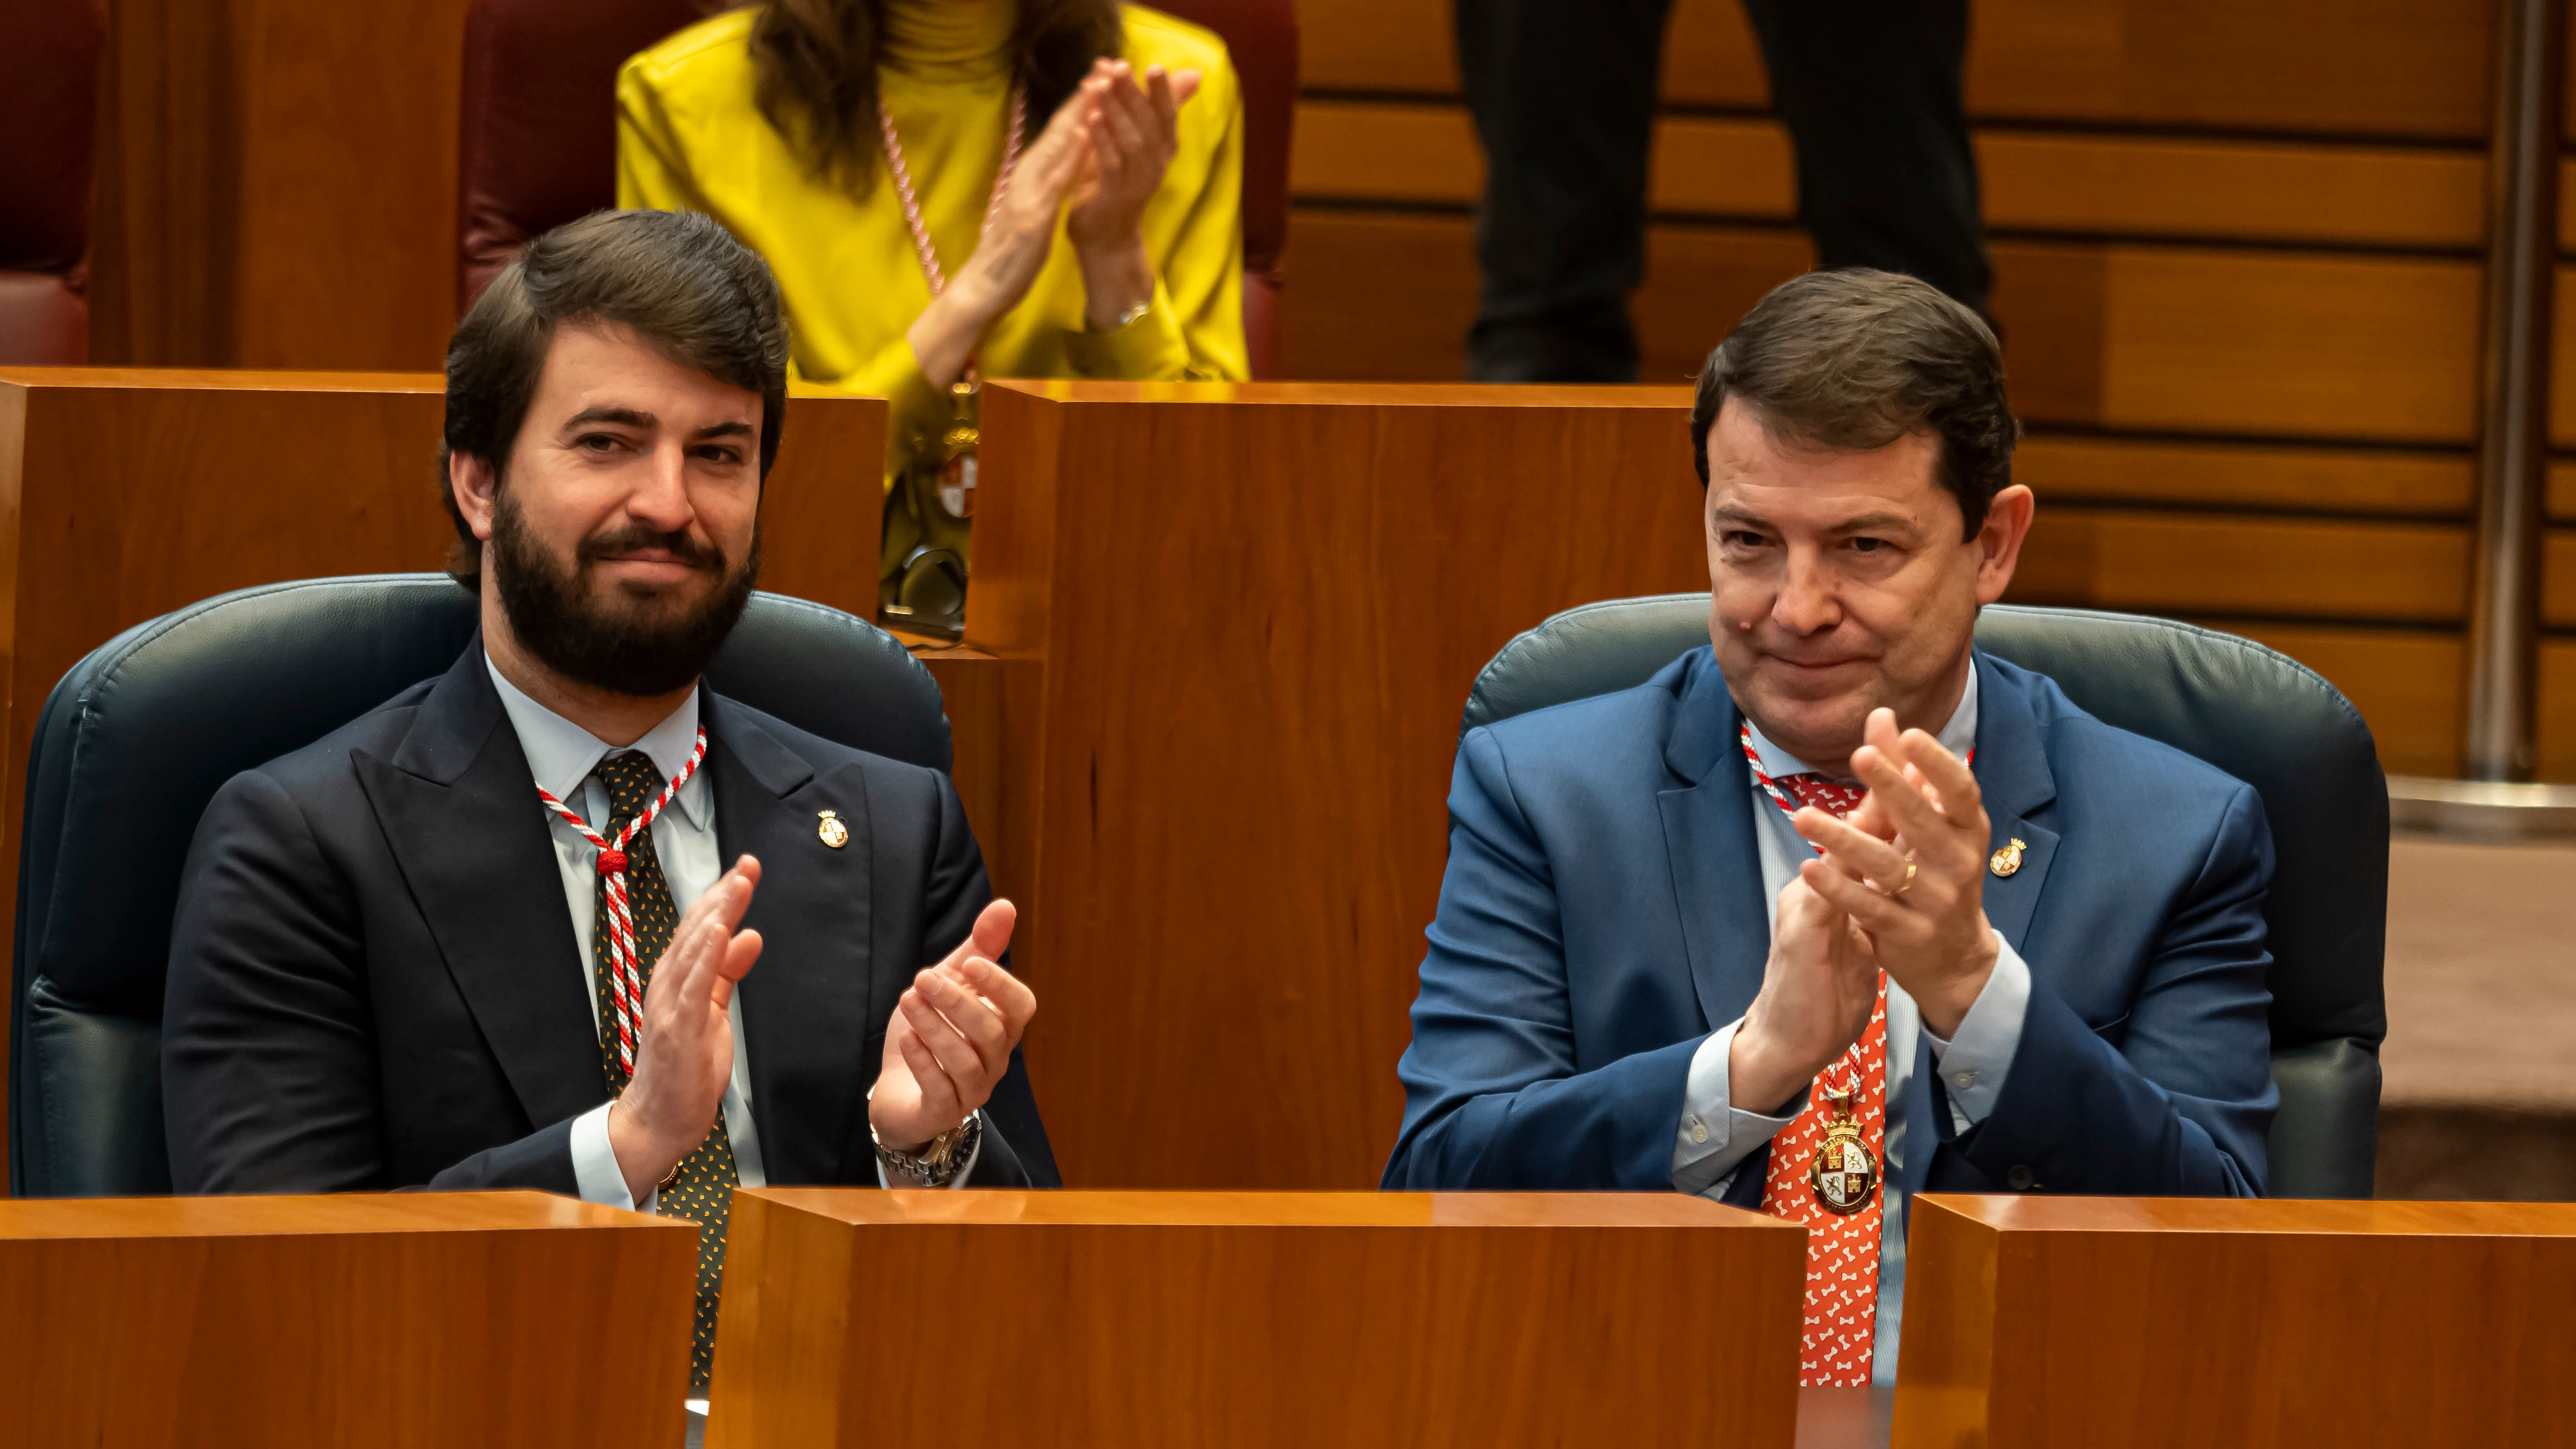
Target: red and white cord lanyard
[(912, 205), (625, 973)]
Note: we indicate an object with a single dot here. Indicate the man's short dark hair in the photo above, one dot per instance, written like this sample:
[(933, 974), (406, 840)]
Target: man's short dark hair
[(679, 279), (1855, 359)]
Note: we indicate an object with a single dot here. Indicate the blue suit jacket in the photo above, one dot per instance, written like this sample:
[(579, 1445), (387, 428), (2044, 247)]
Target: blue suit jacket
[(1603, 911)]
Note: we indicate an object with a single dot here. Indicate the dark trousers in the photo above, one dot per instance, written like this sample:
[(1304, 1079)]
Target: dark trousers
[(1563, 93)]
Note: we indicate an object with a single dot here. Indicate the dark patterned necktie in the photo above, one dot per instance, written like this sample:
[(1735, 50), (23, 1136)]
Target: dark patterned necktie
[(701, 1188)]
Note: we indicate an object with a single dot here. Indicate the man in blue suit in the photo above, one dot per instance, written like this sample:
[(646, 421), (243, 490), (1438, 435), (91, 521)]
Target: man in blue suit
[(2011, 947)]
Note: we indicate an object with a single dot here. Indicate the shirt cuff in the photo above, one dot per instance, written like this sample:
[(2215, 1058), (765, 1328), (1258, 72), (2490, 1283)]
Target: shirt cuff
[(963, 1173), (595, 1173), (1715, 1135), (1148, 349), (1973, 1063)]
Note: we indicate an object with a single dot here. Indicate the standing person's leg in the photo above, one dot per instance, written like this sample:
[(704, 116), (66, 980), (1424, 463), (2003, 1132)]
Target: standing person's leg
[(1870, 91), (1563, 93)]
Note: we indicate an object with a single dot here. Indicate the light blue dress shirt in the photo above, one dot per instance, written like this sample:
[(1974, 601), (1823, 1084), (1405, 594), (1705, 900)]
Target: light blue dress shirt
[(1715, 1136), (561, 756)]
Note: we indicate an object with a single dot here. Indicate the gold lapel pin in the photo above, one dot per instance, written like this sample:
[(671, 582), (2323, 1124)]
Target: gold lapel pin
[(2008, 859), (835, 834)]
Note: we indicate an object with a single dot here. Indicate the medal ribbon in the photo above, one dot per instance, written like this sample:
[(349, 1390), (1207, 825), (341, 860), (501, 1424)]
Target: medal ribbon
[(625, 972)]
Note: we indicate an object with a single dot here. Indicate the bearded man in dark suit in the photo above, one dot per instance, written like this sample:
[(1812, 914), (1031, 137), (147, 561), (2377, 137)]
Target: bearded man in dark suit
[(500, 931)]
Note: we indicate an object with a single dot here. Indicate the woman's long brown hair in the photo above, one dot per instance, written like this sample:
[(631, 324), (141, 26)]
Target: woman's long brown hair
[(815, 70)]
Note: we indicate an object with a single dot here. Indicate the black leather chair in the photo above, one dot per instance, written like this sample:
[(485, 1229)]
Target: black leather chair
[(139, 736), (2260, 716)]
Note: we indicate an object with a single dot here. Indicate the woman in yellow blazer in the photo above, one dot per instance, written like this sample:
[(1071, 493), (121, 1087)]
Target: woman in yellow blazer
[(1113, 250)]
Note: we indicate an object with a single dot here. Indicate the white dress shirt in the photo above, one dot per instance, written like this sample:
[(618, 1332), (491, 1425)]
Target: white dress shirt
[(561, 756), (1715, 1135)]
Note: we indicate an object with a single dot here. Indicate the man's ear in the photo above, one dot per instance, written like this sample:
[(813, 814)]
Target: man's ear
[(474, 484), (1998, 544)]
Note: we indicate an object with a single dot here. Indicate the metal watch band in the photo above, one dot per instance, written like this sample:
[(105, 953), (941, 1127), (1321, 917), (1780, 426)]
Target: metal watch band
[(938, 1164)]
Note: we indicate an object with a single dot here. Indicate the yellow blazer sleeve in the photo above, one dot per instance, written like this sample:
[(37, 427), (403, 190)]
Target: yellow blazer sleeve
[(1203, 273), (652, 169), (1193, 327)]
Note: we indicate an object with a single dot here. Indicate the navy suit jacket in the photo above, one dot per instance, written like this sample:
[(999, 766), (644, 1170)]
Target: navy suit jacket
[(1603, 912)]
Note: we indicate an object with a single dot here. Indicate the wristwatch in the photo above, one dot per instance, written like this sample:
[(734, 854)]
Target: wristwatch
[(939, 1161), (1126, 319)]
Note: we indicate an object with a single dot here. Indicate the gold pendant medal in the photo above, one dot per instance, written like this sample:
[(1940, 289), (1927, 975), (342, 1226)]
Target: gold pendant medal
[(1845, 1173), (956, 490)]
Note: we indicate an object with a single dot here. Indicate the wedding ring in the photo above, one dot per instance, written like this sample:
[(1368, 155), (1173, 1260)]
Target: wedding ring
[(1906, 884)]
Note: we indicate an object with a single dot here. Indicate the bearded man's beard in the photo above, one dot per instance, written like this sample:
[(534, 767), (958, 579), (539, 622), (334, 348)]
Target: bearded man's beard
[(625, 645)]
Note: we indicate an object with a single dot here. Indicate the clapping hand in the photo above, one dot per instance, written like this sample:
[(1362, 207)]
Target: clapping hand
[(1014, 244), (1909, 869), (1132, 139), (951, 1037), (684, 1057)]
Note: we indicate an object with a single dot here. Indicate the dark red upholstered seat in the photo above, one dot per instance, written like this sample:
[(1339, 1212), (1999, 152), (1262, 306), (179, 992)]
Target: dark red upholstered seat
[(539, 137), (49, 85)]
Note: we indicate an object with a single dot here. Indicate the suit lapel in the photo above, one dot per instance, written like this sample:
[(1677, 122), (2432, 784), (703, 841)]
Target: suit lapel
[(459, 810), (2012, 773), (1717, 867), (806, 1007)]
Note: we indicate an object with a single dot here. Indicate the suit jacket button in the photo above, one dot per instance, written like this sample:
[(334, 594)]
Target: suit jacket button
[(2021, 1179)]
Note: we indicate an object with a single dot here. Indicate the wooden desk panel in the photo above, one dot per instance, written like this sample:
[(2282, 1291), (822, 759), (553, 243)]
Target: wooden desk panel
[(2418, 70), (1257, 1320), (126, 493), (2104, 1323), (418, 1319), (1260, 609)]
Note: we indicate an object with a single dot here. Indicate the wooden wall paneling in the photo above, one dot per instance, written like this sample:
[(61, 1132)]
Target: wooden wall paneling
[(2152, 471), (1251, 702), (347, 212), (2141, 337), (277, 184), (167, 190), (2562, 360), (994, 707), (2291, 1322), (414, 1320), (2416, 68), (1699, 283), (2262, 344), (1376, 45), (2557, 723), (2558, 579), (2034, 181), (1260, 1320), (1376, 297), (2154, 562), (2369, 67), (2162, 186)]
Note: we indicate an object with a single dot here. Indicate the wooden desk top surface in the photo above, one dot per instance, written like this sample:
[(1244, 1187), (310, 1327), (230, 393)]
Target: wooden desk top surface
[(1273, 1209), (2011, 1213), (225, 379), (1359, 394), (328, 1215)]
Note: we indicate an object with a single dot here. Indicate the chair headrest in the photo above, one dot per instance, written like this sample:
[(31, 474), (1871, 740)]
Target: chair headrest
[(2250, 711), (137, 738)]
